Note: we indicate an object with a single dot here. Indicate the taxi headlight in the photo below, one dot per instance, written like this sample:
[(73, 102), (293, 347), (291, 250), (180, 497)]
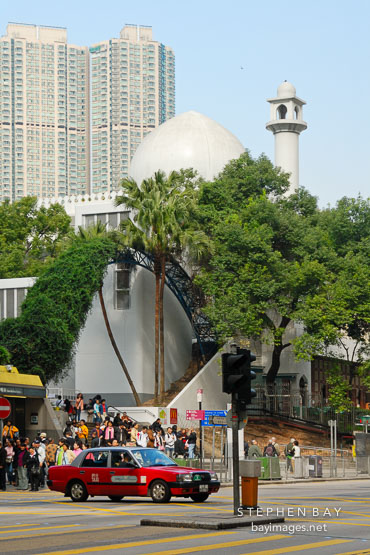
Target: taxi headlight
[(184, 478), (214, 477)]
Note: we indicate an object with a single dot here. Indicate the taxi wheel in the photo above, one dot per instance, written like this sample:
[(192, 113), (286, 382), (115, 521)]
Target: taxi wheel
[(78, 492), (160, 492), (199, 497), (115, 497)]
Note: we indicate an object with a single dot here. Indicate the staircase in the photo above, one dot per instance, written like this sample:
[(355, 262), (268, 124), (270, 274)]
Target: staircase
[(177, 386)]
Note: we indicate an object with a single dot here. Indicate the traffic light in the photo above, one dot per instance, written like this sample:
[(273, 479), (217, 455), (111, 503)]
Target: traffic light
[(237, 376)]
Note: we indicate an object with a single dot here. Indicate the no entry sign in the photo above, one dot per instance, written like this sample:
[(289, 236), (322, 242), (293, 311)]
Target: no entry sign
[(5, 408)]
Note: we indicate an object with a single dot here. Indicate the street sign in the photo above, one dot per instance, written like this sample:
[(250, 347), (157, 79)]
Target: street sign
[(195, 415), (5, 408), (218, 420), (242, 419), (209, 413)]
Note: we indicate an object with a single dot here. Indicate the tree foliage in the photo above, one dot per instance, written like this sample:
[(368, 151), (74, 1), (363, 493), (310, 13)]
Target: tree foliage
[(30, 237), (42, 338), (162, 212), (339, 390), (280, 259)]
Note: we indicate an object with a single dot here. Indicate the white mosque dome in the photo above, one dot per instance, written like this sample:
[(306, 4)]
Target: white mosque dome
[(189, 140), (286, 90)]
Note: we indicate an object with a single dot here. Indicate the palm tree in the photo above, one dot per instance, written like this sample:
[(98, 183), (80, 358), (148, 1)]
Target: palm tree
[(160, 226), (84, 235)]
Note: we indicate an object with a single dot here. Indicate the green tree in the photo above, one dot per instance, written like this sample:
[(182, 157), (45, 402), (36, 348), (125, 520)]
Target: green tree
[(30, 237), (162, 208), (4, 356), (42, 339), (337, 319), (339, 390)]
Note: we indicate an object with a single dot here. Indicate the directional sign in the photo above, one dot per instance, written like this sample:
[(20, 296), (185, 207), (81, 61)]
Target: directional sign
[(5, 407), (218, 420), (209, 413), (194, 414)]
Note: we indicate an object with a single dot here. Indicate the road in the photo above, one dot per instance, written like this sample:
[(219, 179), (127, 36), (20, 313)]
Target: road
[(45, 522)]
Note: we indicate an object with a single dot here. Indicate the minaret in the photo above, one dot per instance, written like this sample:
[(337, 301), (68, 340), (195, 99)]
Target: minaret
[(286, 123)]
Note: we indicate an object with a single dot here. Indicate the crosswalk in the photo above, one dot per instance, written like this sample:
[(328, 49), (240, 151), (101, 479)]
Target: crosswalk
[(240, 542)]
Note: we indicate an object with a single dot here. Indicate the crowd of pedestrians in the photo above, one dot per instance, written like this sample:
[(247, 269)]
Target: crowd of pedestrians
[(24, 463), (272, 449)]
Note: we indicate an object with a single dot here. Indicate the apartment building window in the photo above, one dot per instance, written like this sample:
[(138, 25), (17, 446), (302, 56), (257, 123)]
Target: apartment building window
[(10, 302), (122, 286)]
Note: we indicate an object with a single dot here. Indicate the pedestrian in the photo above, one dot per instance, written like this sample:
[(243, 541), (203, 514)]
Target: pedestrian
[(169, 440), (151, 437), (159, 441), (95, 439), (254, 450), (103, 409), (90, 410), (108, 433), (121, 433), (134, 431), (191, 441), (2, 467), (289, 453), (22, 461), (79, 406), (69, 438), (142, 437), (83, 431), (97, 412), (68, 456), (34, 468), (10, 431), (9, 448), (59, 403), (50, 452), (269, 450), (77, 447), (297, 450), (246, 449), (276, 445), (157, 425)]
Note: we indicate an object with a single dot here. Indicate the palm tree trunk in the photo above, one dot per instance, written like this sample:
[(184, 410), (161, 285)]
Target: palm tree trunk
[(161, 326), (116, 350), (157, 272)]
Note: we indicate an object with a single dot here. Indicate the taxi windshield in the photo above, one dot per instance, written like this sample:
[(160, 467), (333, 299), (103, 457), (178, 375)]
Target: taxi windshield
[(152, 457)]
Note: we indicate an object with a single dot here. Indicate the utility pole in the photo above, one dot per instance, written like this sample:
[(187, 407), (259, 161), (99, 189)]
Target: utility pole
[(235, 444)]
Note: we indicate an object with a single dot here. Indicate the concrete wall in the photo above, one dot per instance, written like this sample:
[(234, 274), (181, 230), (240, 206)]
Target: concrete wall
[(48, 421)]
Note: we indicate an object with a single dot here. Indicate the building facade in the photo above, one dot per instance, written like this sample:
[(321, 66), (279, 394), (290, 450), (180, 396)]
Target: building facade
[(132, 92), (47, 129), (44, 109)]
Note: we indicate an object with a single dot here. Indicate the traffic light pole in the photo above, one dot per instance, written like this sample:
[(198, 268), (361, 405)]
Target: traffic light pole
[(235, 442)]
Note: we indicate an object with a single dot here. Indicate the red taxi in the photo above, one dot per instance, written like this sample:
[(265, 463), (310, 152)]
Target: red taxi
[(118, 472)]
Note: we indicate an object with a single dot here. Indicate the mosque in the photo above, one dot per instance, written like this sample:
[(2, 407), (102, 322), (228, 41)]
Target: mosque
[(189, 140)]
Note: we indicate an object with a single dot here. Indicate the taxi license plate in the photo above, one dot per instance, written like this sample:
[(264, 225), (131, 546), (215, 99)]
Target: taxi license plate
[(203, 487)]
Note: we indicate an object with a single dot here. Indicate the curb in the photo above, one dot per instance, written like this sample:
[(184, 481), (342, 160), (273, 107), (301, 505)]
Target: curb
[(212, 523), (299, 481)]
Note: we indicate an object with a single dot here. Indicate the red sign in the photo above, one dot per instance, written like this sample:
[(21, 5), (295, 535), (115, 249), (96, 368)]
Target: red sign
[(195, 414), (173, 416), (5, 408)]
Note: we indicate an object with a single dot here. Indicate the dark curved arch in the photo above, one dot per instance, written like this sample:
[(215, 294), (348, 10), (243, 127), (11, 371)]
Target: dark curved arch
[(181, 285)]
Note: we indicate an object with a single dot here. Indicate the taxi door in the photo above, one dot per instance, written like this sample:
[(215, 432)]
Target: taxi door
[(94, 472), (124, 476)]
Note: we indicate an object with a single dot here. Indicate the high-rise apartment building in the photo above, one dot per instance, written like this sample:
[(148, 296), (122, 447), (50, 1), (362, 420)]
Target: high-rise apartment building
[(46, 127), (132, 92), (44, 113)]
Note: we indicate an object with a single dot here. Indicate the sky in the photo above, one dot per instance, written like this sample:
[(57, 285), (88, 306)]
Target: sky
[(231, 56)]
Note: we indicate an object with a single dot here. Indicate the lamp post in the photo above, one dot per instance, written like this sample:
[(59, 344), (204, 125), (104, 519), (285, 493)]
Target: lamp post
[(200, 399)]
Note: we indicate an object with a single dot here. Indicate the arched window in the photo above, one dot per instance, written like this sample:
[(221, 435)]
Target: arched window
[(281, 111), (296, 112)]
